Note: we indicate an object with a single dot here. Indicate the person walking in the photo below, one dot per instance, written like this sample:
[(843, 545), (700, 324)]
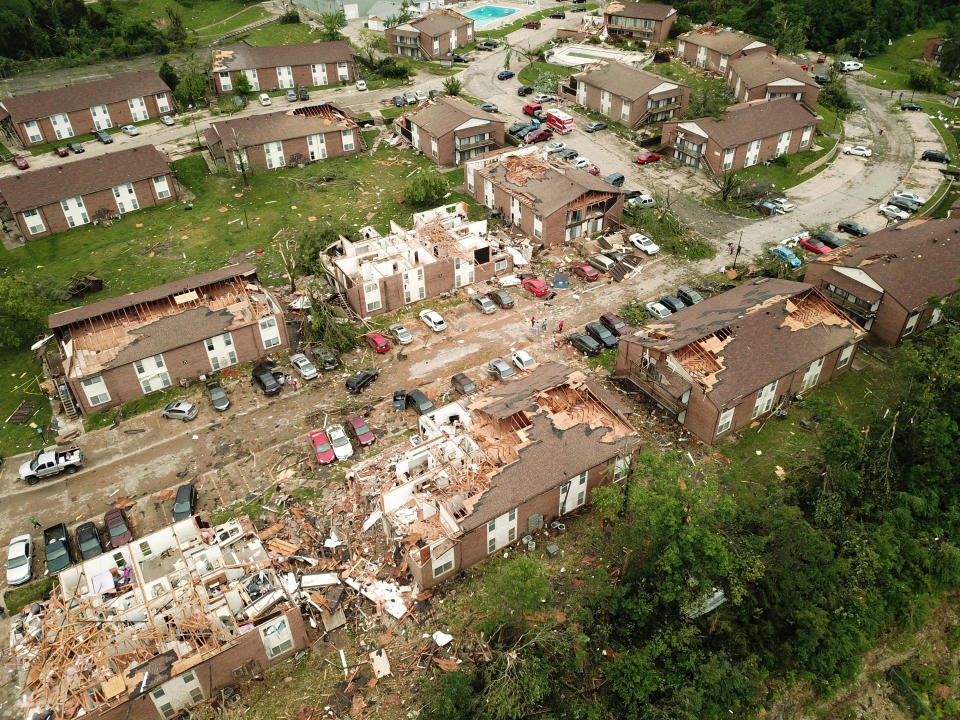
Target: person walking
[(560, 327), (296, 385), (35, 522), (881, 131), (533, 321), (543, 326)]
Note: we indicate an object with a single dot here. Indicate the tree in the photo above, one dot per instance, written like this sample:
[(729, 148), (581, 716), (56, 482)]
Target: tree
[(925, 77), (369, 44), (728, 183), (242, 86), (194, 83), (328, 325), (425, 189), (23, 313), (950, 52), (312, 241), (452, 86), (835, 97), (405, 15), (510, 598), (176, 31), (789, 29), (448, 697), (168, 75), (708, 100), (331, 24)]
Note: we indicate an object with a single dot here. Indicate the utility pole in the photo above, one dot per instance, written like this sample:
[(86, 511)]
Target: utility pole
[(738, 250)]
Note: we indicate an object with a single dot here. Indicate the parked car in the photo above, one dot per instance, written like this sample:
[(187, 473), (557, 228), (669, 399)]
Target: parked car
[(585, 344), (538, 135), (500, 369), (821, 58), (490, 43), (75, 147), (325, 359), (524, 90), (20, 163), (657, 310), (560, 15), (522, 359), (130, 130), (462, 384), (849, 65), (602, 262), (814, 246), (103, 136), (20, 560), (592, 169), (88, 540), (782, 205), (689, 296), (647, 157), (543, 97), (594, 126), (483, 304), (57, 552), (641, 201), (829, 239), (532, 24), (861, 150), (568, 154), (535, 286), (821, 79), (911, 107), (303, 93), (505, 75), (787, 255), (904, 204), (118, 529), (578, 8), (306, 369), (911, 196), (582, 162), (555, 147), (489, 107), (457, 57), (501, 298), (853, 228), (399, 333), (218, 396), (603, 336), (433, 320), (378, 342), (615, 179), (935, 156), (342, 448), (615, 324), (642, 242), (357, 427), (166, 120), (292, 96), (672, 302), (420, 95), (264, 99), (61, 151), (322, 447), (263, 376), (180, 410), (361, 85), (357, 382), (410, 98), (894, 213), (185, 502), (587, 272), (419, 402), (398, 101)]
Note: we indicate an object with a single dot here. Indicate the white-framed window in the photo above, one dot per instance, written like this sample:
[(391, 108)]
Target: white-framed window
[(573, 493), (254, 80), (126, 198), (621, 468), (502, 530), (805, 138), (728, 158), (845, 356), (538, 226), (346, 137), (726, 420), (500, 265), (162, 187), (625, 107), (436, 45), (443, 563), (220, 351), (319, 73), (911, 324), (74, 211), (274, 154), (33, 131), (317, 146), (277, 638), (765, 399), (371, 296), (152, 374), (284, 76), (342, 73), (163, 105), (269, 332), (434, 147), (96, 390), (101, 117), (138, 109), (61, 125), (33, 221), (812, 375), (226, 84)]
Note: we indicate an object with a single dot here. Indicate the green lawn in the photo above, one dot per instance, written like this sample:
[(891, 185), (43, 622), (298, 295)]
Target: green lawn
[(194, 14), (892, 65), (532, 72), (681, 73), (247, 17), (16, 598), (19, 375), (276, 33), (392, 112), (786, 176)]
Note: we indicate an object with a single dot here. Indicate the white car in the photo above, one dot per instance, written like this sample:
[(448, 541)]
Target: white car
[(303, 366), (130, 130), (542, 97), (911, 196), (19, 560), (642, 242), (522, 359), (264, 99), (893, 212), (433, 320), (658, 310), (783, 205), (582, 162), (861, 150), (399, 333), (361, 84), (421, 95), (340, 442), (166, 120), (555, 147)]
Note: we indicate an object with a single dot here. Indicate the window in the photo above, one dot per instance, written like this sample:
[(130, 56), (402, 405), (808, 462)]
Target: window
[(371, 295), (492, 525), (911, 324), (537, 226), (805, 138), (225, 84), (765, 399), (138, 365), (845, 356), (434, 148), (726, 419), (145, 549), (162, 187), (277, 638), (33, 131), (621, 468), (512, 516), (342, 73), (443, 563), (491, 545), (33, 221), (500, 265), (209, 344), (728, 158), (269, 332), (347, 137), (625, 107), (812, 375), (158, 693), (95, 390), (196, 694)]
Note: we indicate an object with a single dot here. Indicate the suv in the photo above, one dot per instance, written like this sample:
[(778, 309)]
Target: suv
[(118, 529), (302, 93), (185, 502), (359, 380), (524, 90), (585, 344), (419, 402), (462, 384), (103, 136), (179, 410), (615, 324), (56, 549), (483, 304), (674, 304), (688, 295), (603, 336), (88, 540), (935, 156), (501, 298), (263, 377)]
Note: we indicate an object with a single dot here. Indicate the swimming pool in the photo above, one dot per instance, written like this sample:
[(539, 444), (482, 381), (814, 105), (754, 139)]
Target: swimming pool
[(487, 14)]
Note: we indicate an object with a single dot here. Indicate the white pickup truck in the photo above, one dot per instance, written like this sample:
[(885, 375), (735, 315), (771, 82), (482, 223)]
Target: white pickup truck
[(48, 463)]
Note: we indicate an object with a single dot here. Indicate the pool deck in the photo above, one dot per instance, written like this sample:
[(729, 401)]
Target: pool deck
[(485, 23)]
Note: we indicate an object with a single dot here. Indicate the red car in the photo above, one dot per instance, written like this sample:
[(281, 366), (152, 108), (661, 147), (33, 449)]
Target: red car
[(21, 163), (587, 272), (814, 246), (358, 428), (378, 342), (593, 170), (532, 24), (61, 151), (804, 67), (821, 58), (646, 157), (322, 447), (534, 285), (118, 529), (538, 136)]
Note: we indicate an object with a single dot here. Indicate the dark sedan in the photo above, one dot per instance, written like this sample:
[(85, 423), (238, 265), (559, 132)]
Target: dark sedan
[(88, 540), (501, 298), (585, 344), (359, 380), (185, 502), (603, 336), (854, 228), (118, 529)]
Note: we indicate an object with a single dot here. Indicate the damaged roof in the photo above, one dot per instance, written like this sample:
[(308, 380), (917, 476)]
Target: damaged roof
[(246, 57), (912, 261), (745, 338), (645, 11), (445, 114), (283, 125), (716, 38), (627, 82), (441, 21), (763, 68)]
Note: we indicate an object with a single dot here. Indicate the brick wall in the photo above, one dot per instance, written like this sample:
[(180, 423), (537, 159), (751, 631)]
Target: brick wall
[(257, 157), (302, 75), (82, 121), (768, 148)]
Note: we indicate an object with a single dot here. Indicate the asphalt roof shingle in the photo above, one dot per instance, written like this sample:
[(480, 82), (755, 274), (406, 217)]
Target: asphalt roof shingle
[(283, 125), (246, 57), (438, 22), (745, 122), (646, 11), (626, 81), (762, 68), (723, 41), (443, 115)]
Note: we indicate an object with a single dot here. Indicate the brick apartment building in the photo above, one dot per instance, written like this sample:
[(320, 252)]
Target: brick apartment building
[(54, 199), (761, 76), (450, 130), (650, 22), (433, 35), (270, 141), (278, 67), (712, 48), (746, 134), (629, 96), (67, 112)]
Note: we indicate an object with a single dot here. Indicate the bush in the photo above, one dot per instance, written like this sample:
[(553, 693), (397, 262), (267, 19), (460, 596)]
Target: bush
[(425, 189), (289, 18), (452, 86), (390, 68), (926, 77)]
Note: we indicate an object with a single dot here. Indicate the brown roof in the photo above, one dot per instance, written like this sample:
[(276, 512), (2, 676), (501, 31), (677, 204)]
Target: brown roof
[(745, 122), (245, 57), (43, 186), (445, 114), (551, 455), (715, 38), (438, 22), (759, 69), (911, 262), (859, 289), (645, 11), (283, 125), (752, 335), (175, 287), (84, 95), (624, 81)]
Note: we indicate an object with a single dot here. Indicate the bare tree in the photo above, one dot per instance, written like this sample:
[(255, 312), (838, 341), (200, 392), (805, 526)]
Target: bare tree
[(727, 183)]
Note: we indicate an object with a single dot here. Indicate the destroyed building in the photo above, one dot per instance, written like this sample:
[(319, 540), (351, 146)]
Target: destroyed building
[(494, 467), (738, 356), (151, 628), (443, 251), (122, 348)]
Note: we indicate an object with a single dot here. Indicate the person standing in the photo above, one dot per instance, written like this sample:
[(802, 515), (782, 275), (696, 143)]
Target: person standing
[(533, 321), (35, 522)]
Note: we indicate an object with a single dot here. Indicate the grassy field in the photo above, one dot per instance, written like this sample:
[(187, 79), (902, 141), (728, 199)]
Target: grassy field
[(19, 375), (195, 14), (786, 176), (891, 67), (247, 17), (278, 34), (392, 112), (532, 72)]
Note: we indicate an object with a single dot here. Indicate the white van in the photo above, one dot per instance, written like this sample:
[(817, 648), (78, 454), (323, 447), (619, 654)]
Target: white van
[(850, 66), (642, 200)]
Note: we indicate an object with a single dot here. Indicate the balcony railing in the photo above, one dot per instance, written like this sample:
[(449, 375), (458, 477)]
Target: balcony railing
[(474, 144), (686, 149), (847, 304), (647, 380)]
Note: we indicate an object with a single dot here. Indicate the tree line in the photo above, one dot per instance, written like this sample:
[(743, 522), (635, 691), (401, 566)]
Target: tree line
[(856, 540)]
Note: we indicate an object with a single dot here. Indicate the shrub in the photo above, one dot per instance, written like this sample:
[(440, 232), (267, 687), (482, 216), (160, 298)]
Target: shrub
[(290, 17)]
